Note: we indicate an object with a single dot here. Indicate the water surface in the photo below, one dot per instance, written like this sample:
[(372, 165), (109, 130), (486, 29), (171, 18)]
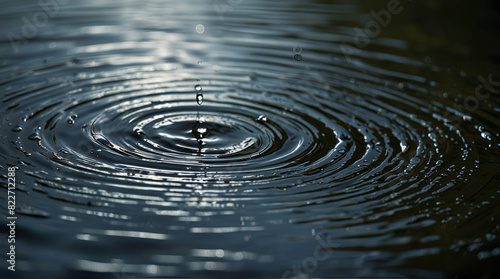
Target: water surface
[(250, 139)]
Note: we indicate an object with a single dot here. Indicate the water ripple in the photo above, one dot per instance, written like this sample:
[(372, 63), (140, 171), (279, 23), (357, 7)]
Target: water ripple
[(223, 149)]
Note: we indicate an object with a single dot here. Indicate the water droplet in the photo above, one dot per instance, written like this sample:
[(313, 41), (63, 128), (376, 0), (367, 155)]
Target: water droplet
[(486, 135), (34, 136), (297, 49), (17, 129), (71, 119), (199, 98), (297, 57), (466, 117), (262, 118), (200, 28), (139, 131), (198, 87)]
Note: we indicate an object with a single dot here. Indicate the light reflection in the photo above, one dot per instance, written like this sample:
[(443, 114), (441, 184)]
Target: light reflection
[(96, 213), (172, 212), (225, 230), (69, 218), (86, 237), (134, 234), (190, 219), (118, 268)]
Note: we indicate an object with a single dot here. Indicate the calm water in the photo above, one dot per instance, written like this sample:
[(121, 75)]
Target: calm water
[(251, 138)]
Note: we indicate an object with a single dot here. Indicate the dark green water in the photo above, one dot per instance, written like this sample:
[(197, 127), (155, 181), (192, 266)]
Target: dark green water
[(254, 139)]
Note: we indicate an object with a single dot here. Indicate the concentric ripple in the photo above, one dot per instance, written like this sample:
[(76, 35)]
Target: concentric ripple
[(220, 145)]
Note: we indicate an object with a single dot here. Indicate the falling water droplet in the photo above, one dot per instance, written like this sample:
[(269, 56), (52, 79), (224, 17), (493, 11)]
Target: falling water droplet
[(199, 98), (297, 57), (199, 129), (17, 129)]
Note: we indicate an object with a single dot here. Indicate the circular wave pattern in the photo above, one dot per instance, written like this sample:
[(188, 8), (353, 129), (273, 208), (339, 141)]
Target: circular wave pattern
[(352, 151)]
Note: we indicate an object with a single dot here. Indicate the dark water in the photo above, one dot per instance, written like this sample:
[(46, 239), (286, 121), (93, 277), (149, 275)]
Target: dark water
[(250, 139)]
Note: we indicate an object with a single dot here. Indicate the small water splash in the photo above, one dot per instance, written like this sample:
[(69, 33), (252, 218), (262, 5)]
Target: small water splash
[(200, 131)]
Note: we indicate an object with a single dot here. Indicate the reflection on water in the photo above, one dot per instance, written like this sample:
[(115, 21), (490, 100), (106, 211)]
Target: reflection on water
[(303, 154)]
